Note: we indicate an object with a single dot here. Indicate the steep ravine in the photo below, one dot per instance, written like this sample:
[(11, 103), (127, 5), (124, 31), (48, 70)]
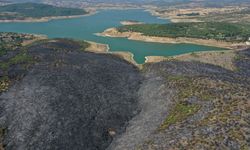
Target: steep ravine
[(70, 99)]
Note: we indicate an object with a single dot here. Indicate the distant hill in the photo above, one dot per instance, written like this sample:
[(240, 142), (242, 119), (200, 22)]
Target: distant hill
[(35, 10), (25, 1)]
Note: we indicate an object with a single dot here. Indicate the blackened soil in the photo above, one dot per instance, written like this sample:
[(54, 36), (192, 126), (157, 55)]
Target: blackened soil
[(65, 98), (69, 99)]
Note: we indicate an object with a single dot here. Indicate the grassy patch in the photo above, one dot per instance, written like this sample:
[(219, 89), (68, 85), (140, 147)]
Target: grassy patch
[(20, 58), (2, 51), (237, 58), (175, 77), (4, 65), (179, 113), (236, 134), (195, 90), (189, 87), (227, 104)]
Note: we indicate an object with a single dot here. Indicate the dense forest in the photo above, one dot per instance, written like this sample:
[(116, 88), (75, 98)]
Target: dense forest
[(205, 30), (33, 10)]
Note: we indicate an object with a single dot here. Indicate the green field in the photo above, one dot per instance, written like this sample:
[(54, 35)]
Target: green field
[(204, 30), (33, 10)]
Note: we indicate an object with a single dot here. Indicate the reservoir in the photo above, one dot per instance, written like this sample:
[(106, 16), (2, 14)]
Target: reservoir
[(84, 28)]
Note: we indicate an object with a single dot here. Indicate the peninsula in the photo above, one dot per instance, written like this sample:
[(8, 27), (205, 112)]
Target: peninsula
[(226, 35)]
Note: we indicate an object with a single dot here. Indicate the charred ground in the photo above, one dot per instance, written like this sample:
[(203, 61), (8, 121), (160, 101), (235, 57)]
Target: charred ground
[(66, 98)]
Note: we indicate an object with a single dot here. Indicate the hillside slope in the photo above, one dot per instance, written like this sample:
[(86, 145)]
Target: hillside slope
[(60, 97), (69, 99), (191, 105), (21, 11)]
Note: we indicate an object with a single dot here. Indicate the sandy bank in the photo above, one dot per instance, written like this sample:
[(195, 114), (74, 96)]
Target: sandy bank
[(46, 19), (36, 38), (130, 22), (112, 32), (97, 47), (128, 56), (104, 48)]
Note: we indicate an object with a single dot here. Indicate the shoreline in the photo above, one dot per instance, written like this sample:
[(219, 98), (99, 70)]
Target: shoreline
[(37, 38), (129, 22), (47, 19), (223, 58), (100, 48), (97, 47), (126, 55), (112, 32)]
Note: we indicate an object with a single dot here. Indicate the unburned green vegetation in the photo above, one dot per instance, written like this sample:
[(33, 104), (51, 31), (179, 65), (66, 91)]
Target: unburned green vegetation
[(19, 58), (13, 57), (180, 112), (205, 30), (189, 87), (22, 11), (11, 42)]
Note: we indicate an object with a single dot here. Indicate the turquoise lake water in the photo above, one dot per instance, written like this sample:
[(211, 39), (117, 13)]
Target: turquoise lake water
[(85, 27)]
